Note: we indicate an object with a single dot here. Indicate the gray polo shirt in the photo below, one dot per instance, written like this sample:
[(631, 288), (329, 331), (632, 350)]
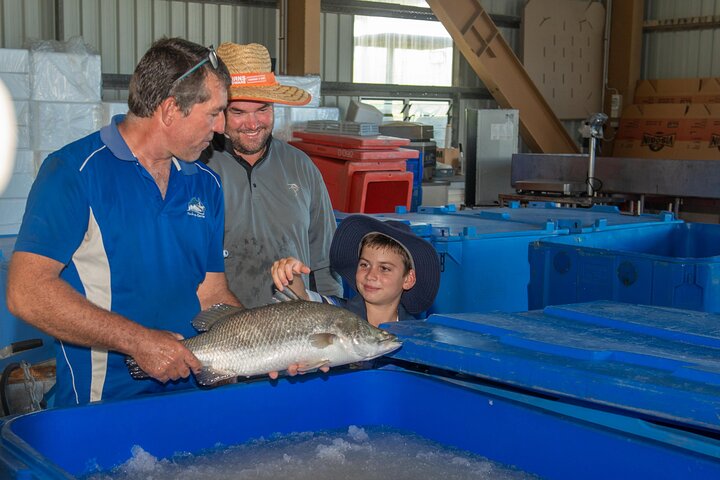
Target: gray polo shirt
[(277, 208)]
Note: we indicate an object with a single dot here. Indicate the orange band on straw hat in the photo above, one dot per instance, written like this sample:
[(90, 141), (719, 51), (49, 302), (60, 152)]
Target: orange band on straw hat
[(253, 79)]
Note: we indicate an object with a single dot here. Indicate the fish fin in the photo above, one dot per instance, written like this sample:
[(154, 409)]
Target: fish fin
[(135, 371), (308, 367), (285, 295), (322, 340), (207, 318), (209, 376)]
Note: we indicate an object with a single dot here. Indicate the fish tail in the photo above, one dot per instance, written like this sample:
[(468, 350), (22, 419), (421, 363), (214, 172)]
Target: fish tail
[(135, 371)]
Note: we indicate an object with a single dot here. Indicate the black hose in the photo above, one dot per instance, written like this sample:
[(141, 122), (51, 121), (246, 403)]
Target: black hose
[(3, 386)]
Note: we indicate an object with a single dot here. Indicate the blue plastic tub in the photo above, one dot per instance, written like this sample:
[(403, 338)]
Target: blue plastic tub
[(483, 261), (674, 265), (547, 438)]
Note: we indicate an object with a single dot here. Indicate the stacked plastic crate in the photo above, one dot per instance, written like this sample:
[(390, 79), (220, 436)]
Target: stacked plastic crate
[(365, 174)]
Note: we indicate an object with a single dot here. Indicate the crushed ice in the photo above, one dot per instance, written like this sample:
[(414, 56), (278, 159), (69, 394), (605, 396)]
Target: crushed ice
[(357, 454)]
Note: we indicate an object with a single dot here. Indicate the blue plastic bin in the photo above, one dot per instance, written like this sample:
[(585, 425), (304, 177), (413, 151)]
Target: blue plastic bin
[(483, 261), (674, 265), (12, 329), (550, 439), (415, 165)]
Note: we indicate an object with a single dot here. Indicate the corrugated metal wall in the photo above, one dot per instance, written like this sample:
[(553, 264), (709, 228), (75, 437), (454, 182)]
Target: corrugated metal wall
[(26, 19), (336, 57), (122, 29), (678, 54)]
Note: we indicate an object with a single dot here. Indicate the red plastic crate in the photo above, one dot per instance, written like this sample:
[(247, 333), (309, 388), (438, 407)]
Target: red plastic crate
[(380, 192), (354, 154), (375, 142), (338, 175)]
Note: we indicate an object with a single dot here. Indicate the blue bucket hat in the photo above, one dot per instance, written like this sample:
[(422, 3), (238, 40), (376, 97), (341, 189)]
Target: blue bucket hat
[(345, 253)]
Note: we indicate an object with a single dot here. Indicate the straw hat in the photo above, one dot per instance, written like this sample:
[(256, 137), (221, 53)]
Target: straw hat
[(345, 253), (252, 77)]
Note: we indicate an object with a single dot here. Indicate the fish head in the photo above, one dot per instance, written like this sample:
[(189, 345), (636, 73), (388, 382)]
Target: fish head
[(373, 342)]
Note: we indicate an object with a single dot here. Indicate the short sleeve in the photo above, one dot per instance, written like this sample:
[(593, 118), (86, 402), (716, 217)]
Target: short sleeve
[(57, 212)]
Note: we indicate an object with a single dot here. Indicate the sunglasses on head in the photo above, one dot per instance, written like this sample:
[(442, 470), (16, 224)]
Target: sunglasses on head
[(211, 57)]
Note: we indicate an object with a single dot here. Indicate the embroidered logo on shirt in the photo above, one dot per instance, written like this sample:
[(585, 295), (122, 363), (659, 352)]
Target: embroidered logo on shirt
[(294, 187), (196, 208)]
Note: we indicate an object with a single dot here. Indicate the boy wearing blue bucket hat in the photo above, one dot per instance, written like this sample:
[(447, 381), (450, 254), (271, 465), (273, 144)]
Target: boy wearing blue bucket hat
[(395, 272)]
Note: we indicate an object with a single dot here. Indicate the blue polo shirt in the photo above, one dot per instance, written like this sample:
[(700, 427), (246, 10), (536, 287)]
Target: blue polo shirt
[(97, 210)]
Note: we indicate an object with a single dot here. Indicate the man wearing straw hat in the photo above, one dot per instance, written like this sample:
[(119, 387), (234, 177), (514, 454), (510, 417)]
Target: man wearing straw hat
[(276, 203)]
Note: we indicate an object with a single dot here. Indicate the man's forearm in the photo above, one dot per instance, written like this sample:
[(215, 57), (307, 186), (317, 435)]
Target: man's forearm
[(38, 296)]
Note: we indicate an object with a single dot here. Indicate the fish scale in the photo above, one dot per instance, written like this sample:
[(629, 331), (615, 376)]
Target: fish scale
[(247, 342), (259, 342)]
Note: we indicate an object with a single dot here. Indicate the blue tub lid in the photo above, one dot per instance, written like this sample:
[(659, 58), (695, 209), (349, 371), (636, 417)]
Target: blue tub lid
[(437, 223), (654, 362), (577, 220)]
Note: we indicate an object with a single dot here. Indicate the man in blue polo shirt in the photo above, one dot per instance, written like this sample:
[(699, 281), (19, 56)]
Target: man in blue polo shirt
[(121, 243)]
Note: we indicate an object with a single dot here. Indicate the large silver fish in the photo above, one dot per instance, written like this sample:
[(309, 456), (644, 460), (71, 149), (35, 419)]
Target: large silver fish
[(244, 342)]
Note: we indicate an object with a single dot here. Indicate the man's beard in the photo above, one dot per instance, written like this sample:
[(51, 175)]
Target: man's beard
[(245, 149)]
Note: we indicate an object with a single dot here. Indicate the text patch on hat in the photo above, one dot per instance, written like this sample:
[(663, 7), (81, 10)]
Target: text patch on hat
[(253, 79)]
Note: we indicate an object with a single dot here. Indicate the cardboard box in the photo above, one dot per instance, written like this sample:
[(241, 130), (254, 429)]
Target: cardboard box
[(669, 131), (678, 90), (449, 156)]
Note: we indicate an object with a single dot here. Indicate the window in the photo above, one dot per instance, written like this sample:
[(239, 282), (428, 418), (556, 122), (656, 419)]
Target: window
[(401, 52), (427, 112), (405, 52)]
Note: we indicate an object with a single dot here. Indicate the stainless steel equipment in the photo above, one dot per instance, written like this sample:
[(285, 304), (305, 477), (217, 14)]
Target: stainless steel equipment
[(674, 178), (554, 186), (593, 129), (491, 138), (420, 137)]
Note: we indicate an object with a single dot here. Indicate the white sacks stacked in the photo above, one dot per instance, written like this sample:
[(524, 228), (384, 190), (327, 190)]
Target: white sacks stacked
[(288, 119), (110, 109), (15, 74), (56, 96), (66, 94)]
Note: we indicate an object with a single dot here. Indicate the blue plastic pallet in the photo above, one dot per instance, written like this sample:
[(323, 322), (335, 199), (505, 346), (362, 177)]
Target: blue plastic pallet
[(674, 265), (648, 362)]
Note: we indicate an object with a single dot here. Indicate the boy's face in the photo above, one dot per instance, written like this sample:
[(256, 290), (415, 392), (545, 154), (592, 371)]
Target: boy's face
[(380, 276)]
